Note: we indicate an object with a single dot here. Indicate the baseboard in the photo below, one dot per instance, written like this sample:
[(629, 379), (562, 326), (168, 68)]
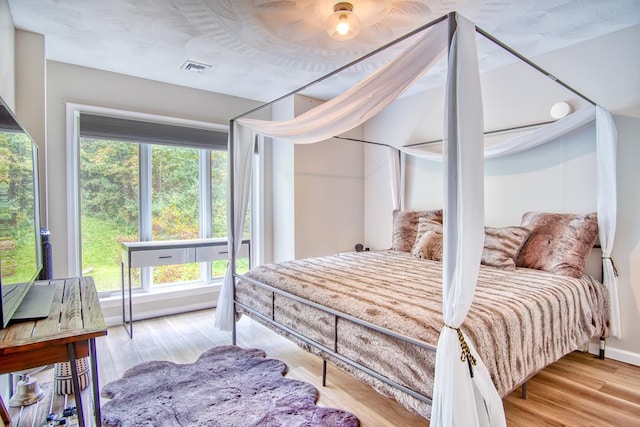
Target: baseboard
[(616, 354)]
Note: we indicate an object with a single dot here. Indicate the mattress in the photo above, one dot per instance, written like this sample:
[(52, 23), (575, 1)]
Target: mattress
[(520, 321)]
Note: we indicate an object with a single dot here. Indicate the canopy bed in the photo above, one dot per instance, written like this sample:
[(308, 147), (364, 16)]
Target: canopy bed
[(469, 374)]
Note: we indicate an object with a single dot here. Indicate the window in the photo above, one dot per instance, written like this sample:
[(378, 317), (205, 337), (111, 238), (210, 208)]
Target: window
[(141, 181), (219, 186), (110, 207), (175, 206)]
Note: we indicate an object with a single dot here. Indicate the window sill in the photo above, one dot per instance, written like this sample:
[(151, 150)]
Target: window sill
[(162, 301)]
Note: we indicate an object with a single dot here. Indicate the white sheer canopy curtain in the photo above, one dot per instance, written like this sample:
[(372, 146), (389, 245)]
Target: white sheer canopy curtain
[(524, 141), (332, 118), (606, 151), (463, 393), (394, 171), (242, 188)]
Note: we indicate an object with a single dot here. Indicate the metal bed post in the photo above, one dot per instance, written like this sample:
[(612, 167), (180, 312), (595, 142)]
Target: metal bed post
[(232, 225)]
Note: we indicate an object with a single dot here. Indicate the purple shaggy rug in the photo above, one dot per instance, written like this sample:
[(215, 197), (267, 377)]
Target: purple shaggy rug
[(227, 386)]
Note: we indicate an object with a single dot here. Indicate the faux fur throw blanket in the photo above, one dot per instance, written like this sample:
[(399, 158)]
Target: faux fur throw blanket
[(520, 321)]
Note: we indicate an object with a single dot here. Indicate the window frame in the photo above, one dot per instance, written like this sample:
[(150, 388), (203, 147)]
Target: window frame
[(74, 231)]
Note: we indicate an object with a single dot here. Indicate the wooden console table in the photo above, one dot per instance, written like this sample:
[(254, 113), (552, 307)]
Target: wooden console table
[(167, 252), (69, 333)]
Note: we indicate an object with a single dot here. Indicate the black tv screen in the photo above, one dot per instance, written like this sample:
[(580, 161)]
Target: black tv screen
[(20, 249)]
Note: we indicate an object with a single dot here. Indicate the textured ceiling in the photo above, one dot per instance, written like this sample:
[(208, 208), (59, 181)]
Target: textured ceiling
[(262, 49)]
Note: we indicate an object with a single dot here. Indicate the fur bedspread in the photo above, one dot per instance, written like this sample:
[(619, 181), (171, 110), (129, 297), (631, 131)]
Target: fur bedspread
[(520, 321)]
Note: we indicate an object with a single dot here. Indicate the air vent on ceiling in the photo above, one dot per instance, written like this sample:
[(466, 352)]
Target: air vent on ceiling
[(194, 67)]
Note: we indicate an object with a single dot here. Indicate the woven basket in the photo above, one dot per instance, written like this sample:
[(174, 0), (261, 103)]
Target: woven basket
[(62, 376)]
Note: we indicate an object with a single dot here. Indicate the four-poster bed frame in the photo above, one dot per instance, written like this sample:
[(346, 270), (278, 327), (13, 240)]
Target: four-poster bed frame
[(332, 350)]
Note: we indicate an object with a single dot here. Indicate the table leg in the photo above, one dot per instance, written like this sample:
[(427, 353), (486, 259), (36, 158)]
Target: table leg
[(94, 381), (4, 413), (76, 384), (124, 317)]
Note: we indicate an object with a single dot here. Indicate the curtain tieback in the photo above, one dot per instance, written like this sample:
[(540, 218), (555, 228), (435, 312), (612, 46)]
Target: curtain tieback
[(613, 264), (465, 355)]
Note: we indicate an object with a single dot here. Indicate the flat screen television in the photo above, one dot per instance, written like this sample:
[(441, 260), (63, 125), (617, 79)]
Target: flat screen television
[(20, 248)]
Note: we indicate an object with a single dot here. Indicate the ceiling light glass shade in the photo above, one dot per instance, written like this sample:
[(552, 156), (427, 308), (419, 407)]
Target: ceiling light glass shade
[(343, 24), (560, 110)]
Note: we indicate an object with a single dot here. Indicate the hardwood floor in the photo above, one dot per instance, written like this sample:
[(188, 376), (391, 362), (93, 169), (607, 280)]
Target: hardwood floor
[(578, 390)]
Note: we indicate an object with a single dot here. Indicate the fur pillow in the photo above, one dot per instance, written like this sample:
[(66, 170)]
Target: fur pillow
[(405, 227), (425, 225), (502, 245), (429, 246), (558, 243)]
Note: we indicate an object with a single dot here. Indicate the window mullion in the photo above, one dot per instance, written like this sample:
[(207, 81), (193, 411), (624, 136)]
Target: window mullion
[(145, 220), (204, 160)]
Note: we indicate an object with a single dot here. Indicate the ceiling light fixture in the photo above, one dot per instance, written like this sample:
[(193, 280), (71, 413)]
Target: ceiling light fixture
[(343, 24), (560, 110)]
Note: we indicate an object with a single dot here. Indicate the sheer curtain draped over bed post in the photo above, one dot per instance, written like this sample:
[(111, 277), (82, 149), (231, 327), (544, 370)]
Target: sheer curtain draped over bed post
[(463, 393), (240, 151), (393, 156), (606, 152)]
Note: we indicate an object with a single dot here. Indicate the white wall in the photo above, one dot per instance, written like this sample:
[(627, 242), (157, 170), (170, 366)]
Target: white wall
[(283, 215), (31, 84), (328, 192), (7, 55), (626, 250), (554, 177), (378, 205), (31, 89), (318, 191), (74, 84), (605, 69), (329, 197)]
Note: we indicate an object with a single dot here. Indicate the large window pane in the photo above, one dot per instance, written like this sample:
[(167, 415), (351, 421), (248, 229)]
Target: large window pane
[(219, 185), (175, 205), (219, 193), (109, 207)]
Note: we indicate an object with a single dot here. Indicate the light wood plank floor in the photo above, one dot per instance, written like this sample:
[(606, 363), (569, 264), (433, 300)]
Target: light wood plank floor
[(576, 391)]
